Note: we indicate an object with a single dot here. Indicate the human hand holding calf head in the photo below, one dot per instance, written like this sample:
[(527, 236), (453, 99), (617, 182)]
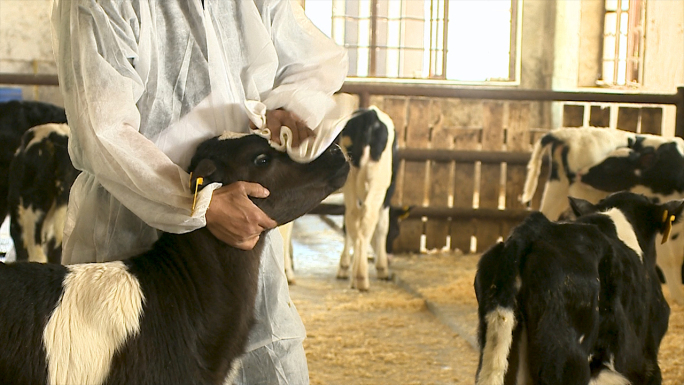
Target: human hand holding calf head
[(232, 217)]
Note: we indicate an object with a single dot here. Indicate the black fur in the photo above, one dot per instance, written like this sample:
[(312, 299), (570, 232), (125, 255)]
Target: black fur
[(661, 170)]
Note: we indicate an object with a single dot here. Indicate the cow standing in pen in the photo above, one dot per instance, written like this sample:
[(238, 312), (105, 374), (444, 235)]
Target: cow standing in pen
[(15, 118), (645, 164), (41, 175), (576, 302), (368, 139), (179, 313)]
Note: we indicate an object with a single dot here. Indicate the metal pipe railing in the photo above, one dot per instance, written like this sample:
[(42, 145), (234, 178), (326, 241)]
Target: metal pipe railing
[(366, 89)]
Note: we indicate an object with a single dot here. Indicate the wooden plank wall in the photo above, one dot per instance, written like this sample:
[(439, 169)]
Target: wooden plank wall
[(458, 125)]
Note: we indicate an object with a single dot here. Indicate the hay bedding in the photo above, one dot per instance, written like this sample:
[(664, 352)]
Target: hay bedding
[(385, 336)]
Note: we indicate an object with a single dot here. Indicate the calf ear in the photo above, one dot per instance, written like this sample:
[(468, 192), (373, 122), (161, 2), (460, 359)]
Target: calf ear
[(205, 169), (581, 207), (669, 213), (669, 209)]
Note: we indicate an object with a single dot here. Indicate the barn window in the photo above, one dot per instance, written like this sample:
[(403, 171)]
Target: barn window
[(623, 42), (457, 40)]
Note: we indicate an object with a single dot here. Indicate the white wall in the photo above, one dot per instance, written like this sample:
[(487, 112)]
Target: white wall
[(26, 44)]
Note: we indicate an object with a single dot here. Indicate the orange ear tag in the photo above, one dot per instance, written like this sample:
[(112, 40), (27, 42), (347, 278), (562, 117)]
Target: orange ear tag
[(668, 226), (199, 182)]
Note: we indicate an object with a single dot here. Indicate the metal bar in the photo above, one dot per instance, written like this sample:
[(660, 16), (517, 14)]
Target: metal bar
[(449, 91), (28, 79), (679, 120), (373, 38), (438, 155), (445, 38), (438, 212), (513, 39)]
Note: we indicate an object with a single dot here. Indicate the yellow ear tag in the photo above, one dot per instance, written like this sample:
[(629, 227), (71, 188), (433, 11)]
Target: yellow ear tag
[(668, 227), (190, 181), (198, 183)]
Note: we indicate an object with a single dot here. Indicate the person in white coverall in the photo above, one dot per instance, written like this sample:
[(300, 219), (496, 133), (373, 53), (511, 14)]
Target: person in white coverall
[(144, 82)]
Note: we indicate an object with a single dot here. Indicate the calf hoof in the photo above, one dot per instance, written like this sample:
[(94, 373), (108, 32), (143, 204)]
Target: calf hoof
[(360, 283), (290, 278), (383, 273), (343, 273)]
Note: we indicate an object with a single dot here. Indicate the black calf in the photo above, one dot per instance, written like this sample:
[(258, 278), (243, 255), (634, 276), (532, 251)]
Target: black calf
[(177, 314)]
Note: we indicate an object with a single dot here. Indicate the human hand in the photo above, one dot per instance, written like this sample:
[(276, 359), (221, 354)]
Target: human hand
[(275, 119), (233, 218)]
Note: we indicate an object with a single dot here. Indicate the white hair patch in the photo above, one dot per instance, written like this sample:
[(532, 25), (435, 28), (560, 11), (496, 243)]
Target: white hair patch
[(232, 135), (625, 231), (500, 324), (99, 310)]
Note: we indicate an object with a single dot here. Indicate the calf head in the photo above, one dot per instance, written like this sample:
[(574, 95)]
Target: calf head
[(645, 217), (295, 188)]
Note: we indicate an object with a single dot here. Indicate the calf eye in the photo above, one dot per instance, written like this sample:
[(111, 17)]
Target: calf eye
[(262, 160)]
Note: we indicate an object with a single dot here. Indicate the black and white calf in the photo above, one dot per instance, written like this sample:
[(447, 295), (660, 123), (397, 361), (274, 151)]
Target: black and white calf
[(41, 175), (15, 118), (368, 139), (177, 314), (618, 160), (576, 302)]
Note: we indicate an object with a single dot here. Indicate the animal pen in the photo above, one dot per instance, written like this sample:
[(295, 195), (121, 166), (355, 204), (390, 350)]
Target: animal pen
[(464, 152)]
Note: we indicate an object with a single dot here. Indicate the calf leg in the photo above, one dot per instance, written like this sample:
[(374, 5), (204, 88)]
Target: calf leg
[(669, 257), (286, 233), (379, 243)]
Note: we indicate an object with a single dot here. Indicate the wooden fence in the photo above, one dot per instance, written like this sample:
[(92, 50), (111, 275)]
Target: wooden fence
[(464, 182)]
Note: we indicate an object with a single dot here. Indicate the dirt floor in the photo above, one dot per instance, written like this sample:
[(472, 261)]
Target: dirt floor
[(419, 329)]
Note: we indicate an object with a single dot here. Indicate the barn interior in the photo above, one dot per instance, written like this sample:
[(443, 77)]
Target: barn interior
[(470, 86)]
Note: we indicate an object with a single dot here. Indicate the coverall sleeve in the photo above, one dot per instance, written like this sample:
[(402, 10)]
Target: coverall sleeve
[(95, 45), (311, 67)]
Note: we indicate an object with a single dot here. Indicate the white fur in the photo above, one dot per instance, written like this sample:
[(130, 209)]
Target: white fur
[(99, 310), (625, 231), (231, 135), (28, 217), (609, 376), (364, 193), (500, 324), (41, 132)]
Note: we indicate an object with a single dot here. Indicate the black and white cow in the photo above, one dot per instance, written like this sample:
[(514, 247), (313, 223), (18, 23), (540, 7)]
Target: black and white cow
[(15, 118), (576, 302), (368, 139), (177, 314), (41, 175), (574, 151)]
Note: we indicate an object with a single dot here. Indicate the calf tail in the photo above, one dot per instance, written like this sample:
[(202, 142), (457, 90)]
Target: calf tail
[(533, 171), (496, 286)]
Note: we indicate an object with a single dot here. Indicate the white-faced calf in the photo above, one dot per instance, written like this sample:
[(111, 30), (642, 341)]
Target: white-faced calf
[(368, 139), (177, 314), (576, 302), (41, 175)]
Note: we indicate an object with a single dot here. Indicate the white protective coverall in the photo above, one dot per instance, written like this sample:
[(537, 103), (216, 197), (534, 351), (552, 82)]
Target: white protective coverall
[(144, 82)]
